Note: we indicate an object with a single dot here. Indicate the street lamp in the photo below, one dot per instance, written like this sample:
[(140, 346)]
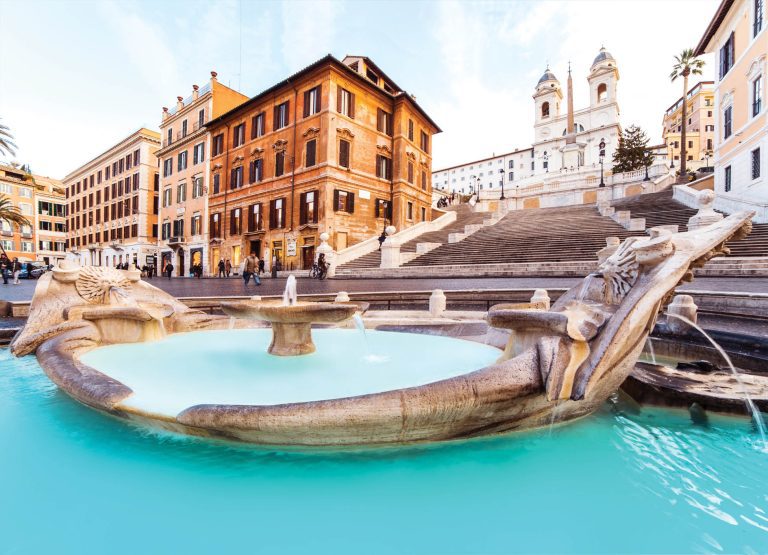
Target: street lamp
[(602, 158), (707, 154), (646, 167), (501, 171)]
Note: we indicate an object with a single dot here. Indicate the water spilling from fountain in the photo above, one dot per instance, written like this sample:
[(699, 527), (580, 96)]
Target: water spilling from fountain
[(290, 295), (757, 416)]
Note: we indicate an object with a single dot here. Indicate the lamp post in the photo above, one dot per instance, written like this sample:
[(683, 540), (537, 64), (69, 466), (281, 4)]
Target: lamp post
[(602, 158), (646, 166), (501, 171), (707, 154)]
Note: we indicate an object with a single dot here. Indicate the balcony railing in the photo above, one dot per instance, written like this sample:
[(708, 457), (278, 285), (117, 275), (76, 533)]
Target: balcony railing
[(176, 240)]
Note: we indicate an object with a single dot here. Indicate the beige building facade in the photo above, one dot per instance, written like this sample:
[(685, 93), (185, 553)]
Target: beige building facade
[(112, 203), (700, 129), (50, 220), (18, 187), (738, 39)]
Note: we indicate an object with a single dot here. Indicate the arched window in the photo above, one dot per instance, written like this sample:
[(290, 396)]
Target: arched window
[(602, 92), (545, 110)]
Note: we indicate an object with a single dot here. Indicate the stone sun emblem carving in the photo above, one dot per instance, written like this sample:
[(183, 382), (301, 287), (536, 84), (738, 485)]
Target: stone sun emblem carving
[(620, 271), (96, 283)]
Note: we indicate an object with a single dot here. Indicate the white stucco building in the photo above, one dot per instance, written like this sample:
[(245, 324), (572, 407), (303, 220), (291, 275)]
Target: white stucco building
[(565, 140)]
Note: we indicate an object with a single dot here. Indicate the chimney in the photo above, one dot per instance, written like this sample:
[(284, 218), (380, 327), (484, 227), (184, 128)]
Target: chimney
[(213, 76), (195, 92), (165, 113), (179, 102)]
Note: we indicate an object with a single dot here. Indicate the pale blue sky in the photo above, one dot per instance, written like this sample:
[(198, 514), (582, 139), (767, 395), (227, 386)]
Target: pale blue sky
[(77, 76)]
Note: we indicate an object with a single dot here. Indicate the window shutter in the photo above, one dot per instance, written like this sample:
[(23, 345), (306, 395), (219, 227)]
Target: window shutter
[(389, 124), (350, 202), (335, 200), (250, 219), (272, 215), (282, 214), (338, 99), (352, 105), (302, 208), (318, 98), (275, 118), (317, 207), (306, 102), (287, 112), (378, 207)]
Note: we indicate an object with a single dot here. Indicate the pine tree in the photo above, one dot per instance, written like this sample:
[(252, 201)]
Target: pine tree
[(632, 153)]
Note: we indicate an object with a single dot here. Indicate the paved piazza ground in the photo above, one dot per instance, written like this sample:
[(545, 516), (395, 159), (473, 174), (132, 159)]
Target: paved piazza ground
[(213, 287)]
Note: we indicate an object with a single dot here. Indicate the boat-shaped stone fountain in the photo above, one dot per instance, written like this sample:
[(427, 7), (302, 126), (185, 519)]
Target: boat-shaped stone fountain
[(563, 362)]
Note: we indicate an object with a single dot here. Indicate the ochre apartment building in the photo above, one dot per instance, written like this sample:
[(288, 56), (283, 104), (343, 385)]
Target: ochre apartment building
[(184, 173), (18, 186), (337, 147), (700, 129), (50, 220), (113, 204), (738, 39)]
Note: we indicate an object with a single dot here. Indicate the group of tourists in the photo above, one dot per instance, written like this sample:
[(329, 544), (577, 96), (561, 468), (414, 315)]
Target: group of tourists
[(225, 268), (10, 267), (442, 202)]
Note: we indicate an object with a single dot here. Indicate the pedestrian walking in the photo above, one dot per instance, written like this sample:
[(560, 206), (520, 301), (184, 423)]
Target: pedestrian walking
[(261, 266), (221, 268), (5, 264), (250, 268), (16, 269), (382, 238), (227, 268), (169, 270)]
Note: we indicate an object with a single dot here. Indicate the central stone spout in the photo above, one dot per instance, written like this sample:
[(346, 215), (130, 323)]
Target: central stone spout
[(290, 319)]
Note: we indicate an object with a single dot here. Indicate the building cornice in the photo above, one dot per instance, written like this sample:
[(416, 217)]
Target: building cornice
[(141, 134)]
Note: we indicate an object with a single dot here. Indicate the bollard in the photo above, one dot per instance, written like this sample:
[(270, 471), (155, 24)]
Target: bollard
[(437, 303)]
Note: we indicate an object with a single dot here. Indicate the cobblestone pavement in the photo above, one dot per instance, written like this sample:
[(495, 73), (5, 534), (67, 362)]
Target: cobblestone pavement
[(213, 287)]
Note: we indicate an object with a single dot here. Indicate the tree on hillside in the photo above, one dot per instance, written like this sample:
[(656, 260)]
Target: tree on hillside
[(685, 64), (7, 146), (632, 153)]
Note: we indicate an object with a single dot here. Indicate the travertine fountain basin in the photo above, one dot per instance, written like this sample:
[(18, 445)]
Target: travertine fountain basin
[(556, 365)]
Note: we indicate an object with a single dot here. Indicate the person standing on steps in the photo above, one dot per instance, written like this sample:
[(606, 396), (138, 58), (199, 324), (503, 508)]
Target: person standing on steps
[(261, 266), (382, 238), (221, 268), (227, 268)]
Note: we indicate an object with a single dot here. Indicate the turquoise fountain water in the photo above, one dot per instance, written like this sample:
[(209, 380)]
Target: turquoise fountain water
[(76, 481)]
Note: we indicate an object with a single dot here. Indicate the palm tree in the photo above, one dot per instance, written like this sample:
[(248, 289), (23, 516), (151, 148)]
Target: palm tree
[(10, 213), (7, 146), (685, 64)]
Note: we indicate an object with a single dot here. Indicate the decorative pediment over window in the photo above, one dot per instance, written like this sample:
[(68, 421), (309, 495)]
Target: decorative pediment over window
[(280, 145), (239, 158), (384, 149), (216, 167), (345, 133), (727, 99), (756, 67), (257, 152), (411, 156), (311, 132)]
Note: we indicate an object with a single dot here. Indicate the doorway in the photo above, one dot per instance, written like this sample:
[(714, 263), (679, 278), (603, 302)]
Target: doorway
[(181, 263), (341, 240), (307, 256), (256, 248)]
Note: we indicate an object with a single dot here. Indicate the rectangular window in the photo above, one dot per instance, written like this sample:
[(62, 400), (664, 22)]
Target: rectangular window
[(279, 163), (727, 178), (196, 228), (235, 222), (343, 201), (236, 178), (106, 173), (424, 142), (690, 144), (257, 125), (312, 101), (218, 144), (198, 153), (215, 225), (197, 187), (170, 137), (423, 214), (166, 197), (383, 122), (255, 220), (756, 163), (757, 95), (311, 150), (238, 135), (167, 167), (121, 165), (216, 183), (423, 181), (184, 128), (727, 122), (757, 22), (410, 130), (201, 118), (280, 117), (181, 192), (344, 153), (345, 102), (409, 211), (726, 56), (410, 172), (277, 213), (308, 208), (182, 161), (511, 164), (383, 167), (709, 144), (255, 171)]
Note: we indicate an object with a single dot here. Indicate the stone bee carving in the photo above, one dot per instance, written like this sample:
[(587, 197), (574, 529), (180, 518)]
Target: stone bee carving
[(96, 284)]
